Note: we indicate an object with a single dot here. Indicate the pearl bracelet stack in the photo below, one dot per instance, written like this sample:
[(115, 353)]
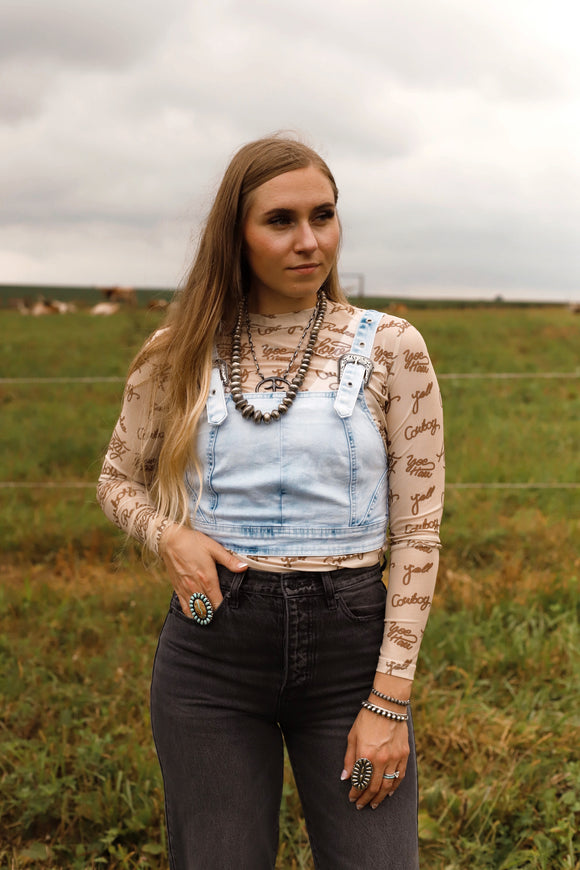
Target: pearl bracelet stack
[(381, 711)]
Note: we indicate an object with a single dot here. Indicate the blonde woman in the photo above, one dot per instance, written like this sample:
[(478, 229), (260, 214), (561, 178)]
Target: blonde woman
[(274, 443)]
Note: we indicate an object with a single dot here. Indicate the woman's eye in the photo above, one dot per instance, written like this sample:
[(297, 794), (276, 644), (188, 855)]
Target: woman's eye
[(324, 216), (279, 220)]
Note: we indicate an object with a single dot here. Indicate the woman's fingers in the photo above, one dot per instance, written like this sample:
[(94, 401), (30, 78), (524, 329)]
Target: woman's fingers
[(223, 557), (380, 786), (386, 745), (201, 577), (190, 558), (392, 777)]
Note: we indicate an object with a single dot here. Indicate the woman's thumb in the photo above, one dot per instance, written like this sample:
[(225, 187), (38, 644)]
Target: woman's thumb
[(229, 560)]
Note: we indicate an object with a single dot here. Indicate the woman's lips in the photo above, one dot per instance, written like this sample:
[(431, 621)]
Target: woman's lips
[(306, 269)]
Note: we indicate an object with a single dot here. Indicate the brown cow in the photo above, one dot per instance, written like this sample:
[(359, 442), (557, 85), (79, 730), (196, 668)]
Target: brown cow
[(157, 305), (120, 294)]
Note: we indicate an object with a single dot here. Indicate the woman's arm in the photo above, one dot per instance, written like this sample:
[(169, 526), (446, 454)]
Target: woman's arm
[(414, 423), (128, 469), (414, 419), (123, 493)]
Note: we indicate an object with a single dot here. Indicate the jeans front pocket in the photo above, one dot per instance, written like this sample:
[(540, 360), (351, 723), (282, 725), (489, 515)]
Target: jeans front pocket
[(364, 599), (175, 610)]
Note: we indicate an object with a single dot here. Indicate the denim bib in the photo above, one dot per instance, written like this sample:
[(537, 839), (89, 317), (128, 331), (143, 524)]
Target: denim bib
[(313, 483)]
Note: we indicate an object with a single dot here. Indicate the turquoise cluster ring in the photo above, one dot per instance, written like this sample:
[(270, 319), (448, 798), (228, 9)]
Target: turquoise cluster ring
[(201, 608)]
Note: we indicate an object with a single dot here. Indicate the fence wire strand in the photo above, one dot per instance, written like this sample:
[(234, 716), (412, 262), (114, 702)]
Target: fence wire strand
[(444, 376), (79, 484)]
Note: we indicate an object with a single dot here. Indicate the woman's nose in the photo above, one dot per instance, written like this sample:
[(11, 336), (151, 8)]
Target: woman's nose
[(305, 239)]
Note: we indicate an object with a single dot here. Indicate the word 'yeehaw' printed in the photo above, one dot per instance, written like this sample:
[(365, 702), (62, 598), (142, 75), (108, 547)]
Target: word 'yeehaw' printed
[(420, 466), (416, 361), (402, 636)]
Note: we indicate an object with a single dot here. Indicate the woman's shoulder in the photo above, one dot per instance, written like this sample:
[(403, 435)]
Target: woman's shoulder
[(149, 365), (390, 330)]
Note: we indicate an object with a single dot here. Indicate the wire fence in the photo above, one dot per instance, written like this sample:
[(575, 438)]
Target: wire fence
[(515, 485), (90, 484), (445, 376)]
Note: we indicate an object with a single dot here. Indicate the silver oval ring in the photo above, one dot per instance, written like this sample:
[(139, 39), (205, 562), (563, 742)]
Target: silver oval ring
[(394, 775), (201, 608), (361, 773)]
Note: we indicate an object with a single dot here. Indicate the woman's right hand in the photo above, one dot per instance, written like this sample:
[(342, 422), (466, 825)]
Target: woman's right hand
[(190, 558)]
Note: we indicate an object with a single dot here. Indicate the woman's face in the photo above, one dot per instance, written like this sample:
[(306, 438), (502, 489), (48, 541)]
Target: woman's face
[(291, 236)]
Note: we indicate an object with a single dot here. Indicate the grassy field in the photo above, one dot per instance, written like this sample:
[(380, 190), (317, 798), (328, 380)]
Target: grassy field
[(496, 696)]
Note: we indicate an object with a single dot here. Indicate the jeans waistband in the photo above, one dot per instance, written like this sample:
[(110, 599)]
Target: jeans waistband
[(293, 583)]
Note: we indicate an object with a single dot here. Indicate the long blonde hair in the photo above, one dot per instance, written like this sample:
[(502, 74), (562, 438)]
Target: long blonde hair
[(182, 352)]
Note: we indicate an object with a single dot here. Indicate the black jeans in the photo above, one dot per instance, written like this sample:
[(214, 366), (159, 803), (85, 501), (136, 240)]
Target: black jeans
[(287, 657)]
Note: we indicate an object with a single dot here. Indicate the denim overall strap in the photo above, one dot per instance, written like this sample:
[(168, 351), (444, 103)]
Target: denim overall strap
[(355, 371), (216, 400)]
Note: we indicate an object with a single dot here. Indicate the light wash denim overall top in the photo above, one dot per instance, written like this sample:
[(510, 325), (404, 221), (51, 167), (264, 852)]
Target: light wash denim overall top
[(313, 483)]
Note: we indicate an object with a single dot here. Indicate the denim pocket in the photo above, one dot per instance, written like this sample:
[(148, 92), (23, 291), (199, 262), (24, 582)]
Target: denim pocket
[(363, 600), (175, 610)]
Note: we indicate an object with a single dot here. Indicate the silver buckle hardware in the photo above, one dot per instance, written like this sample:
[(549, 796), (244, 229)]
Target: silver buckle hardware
[(358, 360), (222, 367)]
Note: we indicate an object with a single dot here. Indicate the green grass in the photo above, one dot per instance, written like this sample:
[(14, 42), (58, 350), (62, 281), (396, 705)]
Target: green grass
[(496, 700)]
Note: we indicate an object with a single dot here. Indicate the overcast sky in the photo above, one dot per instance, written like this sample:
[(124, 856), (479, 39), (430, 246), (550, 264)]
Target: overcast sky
[(452, 128)]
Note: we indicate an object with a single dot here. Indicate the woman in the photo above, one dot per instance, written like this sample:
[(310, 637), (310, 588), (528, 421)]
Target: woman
[(271, 436)]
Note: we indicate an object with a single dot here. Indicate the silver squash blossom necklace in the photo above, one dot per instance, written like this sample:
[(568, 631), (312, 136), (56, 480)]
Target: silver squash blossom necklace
[(273, 384)]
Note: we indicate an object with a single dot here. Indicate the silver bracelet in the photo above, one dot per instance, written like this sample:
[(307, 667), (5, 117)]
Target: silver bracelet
[(381, 711), (389, 698)]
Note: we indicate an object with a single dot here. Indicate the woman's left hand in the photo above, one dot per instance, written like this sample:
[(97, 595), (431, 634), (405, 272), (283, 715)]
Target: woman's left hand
[(385, 743)]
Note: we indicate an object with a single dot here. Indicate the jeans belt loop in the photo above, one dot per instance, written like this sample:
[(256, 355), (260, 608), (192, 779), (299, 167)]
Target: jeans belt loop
[(329, 592), (233, 594)]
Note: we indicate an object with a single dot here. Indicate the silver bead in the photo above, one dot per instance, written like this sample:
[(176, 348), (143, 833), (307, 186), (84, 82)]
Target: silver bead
[(257, 415), (248, 411)]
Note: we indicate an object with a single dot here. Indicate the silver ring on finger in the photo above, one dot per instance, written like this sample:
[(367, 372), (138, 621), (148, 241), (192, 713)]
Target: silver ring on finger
[(361, 773), (394, 775), (201, 608)]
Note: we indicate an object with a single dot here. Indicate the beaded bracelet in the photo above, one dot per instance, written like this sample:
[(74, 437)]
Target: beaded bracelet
[(381, 711), (389, 698)]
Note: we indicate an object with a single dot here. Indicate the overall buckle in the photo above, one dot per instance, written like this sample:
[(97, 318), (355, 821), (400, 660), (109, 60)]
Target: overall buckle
[(358, 360)]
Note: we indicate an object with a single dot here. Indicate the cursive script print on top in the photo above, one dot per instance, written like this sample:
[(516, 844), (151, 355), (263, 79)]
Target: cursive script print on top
[(416, 361), (418, 497), (415, 569), (431, 426), (422, 601), (420, 394), (420, 466), (401, 636)]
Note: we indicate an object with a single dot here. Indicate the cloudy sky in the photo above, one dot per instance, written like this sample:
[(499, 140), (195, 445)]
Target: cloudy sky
[(452, 127)]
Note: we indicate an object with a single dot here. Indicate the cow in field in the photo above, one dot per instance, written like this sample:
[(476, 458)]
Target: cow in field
[(43, 306), (157, 305), (120, 294), (105, 308)]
